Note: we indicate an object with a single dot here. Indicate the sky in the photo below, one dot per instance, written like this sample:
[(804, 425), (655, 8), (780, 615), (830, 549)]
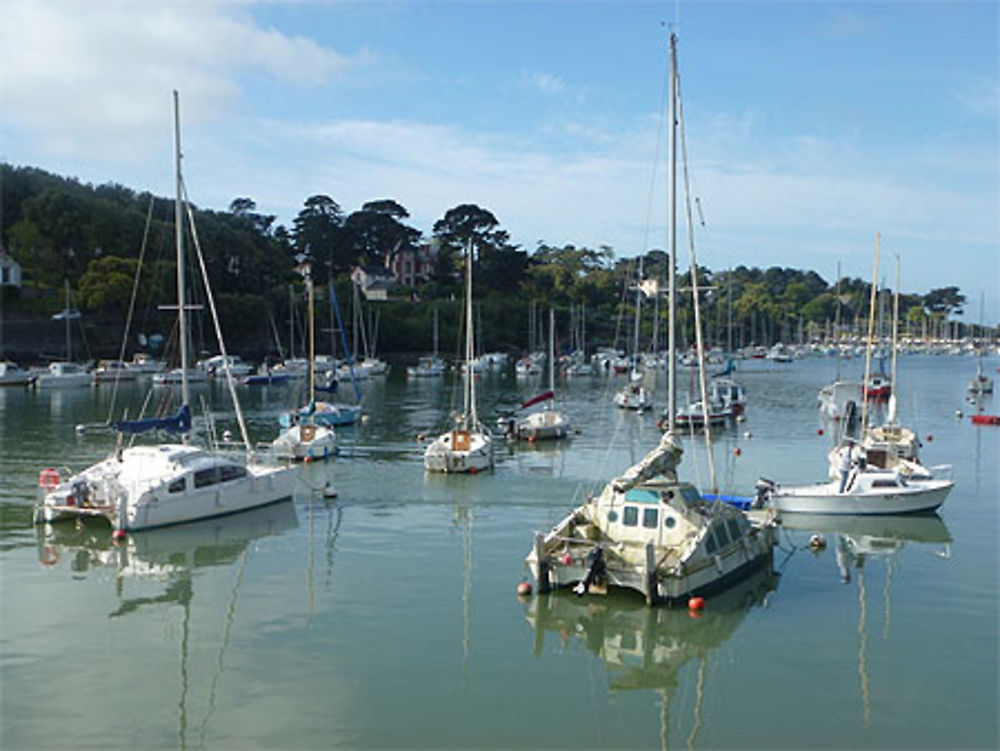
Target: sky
[(809, 127)]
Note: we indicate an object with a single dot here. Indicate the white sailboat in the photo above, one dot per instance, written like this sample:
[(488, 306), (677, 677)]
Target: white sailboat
[(634, 395), (548, 423), (980, 383), (429, 366), (648, 530), (154, 485), (468, 446), (305, 439), (65, 373), (894, 482)]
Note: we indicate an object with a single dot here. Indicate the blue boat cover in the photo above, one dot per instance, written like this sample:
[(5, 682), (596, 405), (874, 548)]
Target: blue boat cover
[(179, 423)]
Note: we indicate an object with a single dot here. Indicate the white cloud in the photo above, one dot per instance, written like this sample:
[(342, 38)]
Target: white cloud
[(97, 75)]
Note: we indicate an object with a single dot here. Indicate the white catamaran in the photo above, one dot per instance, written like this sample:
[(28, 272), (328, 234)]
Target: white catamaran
[(153, 485)]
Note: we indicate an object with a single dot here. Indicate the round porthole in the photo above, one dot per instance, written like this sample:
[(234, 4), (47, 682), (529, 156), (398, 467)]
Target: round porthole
[(612, 516), (669, 522)]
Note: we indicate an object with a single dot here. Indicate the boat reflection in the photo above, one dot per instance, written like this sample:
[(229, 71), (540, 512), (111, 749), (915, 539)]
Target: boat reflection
[(861, 536), (161, 552), (645, 648), (859, 540), (169, 558)]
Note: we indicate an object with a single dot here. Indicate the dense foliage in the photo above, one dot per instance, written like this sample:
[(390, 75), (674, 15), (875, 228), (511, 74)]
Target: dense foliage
[(95, 236)]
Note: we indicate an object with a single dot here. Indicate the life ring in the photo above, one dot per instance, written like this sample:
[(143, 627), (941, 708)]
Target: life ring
[(48, 478), (50, 555)]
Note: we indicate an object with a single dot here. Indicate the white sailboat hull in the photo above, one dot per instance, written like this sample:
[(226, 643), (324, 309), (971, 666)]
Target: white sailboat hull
[(548, 425), (460, 451), (823, 498)]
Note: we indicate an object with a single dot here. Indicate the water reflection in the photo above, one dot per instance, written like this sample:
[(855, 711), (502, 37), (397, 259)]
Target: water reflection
[(166, 552), (170, 557), (860, 539), (645, 648)]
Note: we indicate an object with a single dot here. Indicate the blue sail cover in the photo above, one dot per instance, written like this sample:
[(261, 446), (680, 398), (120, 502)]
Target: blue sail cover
[(179, 423)]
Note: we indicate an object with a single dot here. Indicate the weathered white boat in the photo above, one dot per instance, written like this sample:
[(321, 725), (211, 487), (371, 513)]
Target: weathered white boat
[(468, 446), (647, 530), (650, 532)]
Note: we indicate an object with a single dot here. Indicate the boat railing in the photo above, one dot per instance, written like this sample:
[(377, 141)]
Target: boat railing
[(942, 471)]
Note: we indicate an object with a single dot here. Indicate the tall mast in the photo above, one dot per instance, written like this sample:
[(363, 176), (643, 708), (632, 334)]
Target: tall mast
[(552, 350), (179, 237), (311, 365), (868, 347), (672, 235), (894, 384), (470, 390), (836, 326)]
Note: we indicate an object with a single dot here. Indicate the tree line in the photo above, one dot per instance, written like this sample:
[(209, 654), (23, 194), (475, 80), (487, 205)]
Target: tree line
[(60, 229)]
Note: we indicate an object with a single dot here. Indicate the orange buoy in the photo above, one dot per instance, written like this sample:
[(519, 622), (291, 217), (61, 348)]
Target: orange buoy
[(524, 588), (696, 603), (737, 451)]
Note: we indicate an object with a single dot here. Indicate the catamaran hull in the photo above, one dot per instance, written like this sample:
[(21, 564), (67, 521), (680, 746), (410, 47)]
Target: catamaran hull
[(102, 491)]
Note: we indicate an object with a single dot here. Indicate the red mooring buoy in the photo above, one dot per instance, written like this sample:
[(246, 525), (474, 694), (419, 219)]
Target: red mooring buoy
[(118, 534), (524, 588), (696, 603)]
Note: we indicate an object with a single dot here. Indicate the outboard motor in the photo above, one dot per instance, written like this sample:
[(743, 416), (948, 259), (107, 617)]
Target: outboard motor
[(764, 488), (596, 568)]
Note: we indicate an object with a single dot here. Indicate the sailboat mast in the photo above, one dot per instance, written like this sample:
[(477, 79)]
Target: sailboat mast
[(69, 338), (672, 243), (868, 347), (552, 351), (893, 402), (836, 326), (470, 389), (179, 238), (638, 320), (310, 366)]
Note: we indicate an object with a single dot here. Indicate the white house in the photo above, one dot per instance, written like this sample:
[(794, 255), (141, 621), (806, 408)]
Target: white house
[(10, 270)]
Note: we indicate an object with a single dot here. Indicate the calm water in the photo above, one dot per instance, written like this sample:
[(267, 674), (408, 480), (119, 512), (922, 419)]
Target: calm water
[(387, 618)]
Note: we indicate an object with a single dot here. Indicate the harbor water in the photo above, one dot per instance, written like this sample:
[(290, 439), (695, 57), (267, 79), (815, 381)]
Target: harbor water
[(387, 617)]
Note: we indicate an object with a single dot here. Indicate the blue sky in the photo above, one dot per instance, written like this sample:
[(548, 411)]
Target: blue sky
[(810, 126)]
